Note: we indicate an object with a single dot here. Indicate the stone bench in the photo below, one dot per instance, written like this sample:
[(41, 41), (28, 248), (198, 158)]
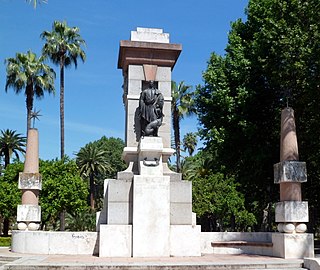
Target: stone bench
[(234, 244)]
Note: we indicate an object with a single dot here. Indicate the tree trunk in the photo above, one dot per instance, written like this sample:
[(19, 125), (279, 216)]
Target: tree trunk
[(62, 221), (92, 192), (6, 158), (6, 224), (29, 104), (62, 107), (63, 213), (176, 131)]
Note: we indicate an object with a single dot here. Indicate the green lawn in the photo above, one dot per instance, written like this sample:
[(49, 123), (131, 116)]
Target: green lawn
[(5, 241)]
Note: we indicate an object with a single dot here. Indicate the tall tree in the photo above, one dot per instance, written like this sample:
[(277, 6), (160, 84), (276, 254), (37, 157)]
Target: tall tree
[(182, 104), (190, 142), (113, 148), (27, 71), (92, 160), (11, 143), (63, 45), (272, 57)]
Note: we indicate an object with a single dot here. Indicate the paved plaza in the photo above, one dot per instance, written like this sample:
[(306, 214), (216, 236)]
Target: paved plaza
[(10, 260)]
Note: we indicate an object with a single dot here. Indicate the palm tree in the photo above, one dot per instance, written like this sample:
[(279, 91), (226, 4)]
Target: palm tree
[(63, 46), (11, 143), (92, 160), (182, 104), (36, 1), (190, 142), (28, 72)]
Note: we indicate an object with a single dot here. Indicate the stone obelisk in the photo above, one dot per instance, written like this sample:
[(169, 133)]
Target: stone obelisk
[(291, 212), (29, 212)]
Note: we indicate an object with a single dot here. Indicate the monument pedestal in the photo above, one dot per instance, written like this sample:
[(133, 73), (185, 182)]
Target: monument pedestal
[(289, 246), (149, 215)]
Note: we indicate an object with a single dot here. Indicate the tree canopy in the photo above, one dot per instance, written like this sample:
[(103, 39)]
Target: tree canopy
[(97, 161), (271, 60), (182, 105), (11, 143), (29, 72), (62, 190)]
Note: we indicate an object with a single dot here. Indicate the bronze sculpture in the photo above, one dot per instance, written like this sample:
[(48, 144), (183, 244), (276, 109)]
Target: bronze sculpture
[(150, 110)]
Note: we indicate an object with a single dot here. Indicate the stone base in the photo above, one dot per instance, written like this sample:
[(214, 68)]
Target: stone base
[(185, 240), (55, 243), (115, 241), (289, 246)]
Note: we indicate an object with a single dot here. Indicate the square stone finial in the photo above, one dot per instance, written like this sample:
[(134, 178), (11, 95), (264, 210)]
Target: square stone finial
[(290, 171), (149, 35)]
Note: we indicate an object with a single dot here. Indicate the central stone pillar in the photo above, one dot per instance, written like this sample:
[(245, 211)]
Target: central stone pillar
[(147, 211)]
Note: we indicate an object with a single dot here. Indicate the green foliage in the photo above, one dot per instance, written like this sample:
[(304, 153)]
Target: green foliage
[(114, 148), (11, 143), (62, 189), (271, 59), (190, 142), (99, 160), (5, 241), (63, 46), (91, 161), (29, 72), (10, 195), (81, 221), (182, 104), (216, 196)]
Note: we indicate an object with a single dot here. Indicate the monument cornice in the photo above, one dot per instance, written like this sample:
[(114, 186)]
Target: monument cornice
[(152, 53)]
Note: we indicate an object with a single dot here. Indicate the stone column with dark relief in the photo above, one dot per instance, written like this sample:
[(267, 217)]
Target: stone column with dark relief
[(289, 173), (29, 212), (291, 213)]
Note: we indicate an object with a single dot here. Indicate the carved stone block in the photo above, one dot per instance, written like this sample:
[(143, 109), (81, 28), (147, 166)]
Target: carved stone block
[(30, 181), (28, 212), (290, 171), (150, 156), (292, 211)]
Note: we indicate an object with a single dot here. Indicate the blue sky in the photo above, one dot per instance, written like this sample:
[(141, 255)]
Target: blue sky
[(93, 93)]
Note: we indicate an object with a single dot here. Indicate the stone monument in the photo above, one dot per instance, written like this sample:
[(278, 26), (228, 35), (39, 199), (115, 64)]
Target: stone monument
[(291, 212), (148, 209), (29, 212)]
